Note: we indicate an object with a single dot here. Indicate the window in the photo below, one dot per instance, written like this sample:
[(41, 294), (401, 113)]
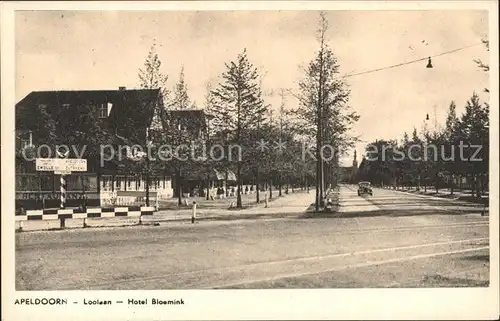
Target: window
[(25, 142), (102, 110), (46, 182), (182, 127), (66, 105), (118, 181)]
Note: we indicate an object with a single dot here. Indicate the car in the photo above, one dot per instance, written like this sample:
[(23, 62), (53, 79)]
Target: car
[(364, 188)]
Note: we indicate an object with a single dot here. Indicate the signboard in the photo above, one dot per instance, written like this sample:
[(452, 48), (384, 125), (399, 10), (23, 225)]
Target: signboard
[(45, 164), (61, 165), (62, 172), (74, 165)]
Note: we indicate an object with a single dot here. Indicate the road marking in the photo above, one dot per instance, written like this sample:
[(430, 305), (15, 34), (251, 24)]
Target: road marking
[(354, 266), (405, 228), (303, 259)]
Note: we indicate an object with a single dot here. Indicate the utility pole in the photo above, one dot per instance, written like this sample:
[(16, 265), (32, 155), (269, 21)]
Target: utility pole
[(257, 178), (282, 108), (271, 121), (148, 144)]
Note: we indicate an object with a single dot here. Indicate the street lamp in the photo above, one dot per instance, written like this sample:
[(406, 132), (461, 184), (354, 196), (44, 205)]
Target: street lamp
[(429, 63)]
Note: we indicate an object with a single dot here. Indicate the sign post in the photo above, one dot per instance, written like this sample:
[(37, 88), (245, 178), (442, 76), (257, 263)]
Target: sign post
[(61, 166), (63, 183)]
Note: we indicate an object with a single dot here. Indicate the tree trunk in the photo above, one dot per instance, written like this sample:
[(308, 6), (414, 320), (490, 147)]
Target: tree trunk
[(280, 185), (257, 185), (452, 185), (485, 183), (147, 181), (472, 185), (478, 187), (98, 178), (271, 188), (208, 187), (238, 189), (179, 187)]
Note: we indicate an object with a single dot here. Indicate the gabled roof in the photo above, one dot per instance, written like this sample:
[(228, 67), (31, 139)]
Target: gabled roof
[(191, 118), (60, 97), (130, 101)]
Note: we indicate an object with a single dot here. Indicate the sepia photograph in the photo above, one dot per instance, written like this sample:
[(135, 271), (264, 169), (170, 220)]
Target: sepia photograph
[(158, 150)]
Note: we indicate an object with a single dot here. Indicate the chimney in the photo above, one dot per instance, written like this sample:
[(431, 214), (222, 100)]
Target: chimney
[(122, 88)]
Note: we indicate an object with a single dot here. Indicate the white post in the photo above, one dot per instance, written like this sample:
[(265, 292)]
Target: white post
[(193, 216), (63, 192), (266, 199)]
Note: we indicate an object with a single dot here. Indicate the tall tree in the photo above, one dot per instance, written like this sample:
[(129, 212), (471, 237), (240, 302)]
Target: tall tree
[(450, 160), (474, 131), (323, 111), (239, 105), (181, 98), (151, 77), (481, 64)]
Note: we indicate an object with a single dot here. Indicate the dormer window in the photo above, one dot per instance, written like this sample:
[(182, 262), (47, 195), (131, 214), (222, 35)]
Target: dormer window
[(102, 110), (27, 141)]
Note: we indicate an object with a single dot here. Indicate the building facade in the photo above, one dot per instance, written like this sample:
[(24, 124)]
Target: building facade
[(117, 120), (79, 120)]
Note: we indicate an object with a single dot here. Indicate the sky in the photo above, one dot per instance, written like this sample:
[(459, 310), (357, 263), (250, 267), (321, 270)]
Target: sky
[(85, 50)]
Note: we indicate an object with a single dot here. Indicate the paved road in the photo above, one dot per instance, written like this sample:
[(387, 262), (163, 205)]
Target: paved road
[(392, 239)]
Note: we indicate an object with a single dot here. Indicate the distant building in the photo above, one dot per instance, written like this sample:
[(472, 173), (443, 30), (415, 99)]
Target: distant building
[(196, 179), (348, 174)]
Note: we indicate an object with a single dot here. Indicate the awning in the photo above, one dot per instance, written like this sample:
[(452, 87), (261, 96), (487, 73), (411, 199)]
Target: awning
[(215, 175), (231, 176)]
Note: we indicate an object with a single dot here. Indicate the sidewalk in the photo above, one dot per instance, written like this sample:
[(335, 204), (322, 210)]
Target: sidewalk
[(224, 203), (291, 203), (445, 194)]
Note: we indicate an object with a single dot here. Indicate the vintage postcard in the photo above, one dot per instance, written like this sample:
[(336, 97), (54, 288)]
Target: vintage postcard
[(249, 160)]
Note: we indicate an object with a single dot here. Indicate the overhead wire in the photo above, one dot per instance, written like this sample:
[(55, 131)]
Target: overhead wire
[(272, 92), (411, 61)]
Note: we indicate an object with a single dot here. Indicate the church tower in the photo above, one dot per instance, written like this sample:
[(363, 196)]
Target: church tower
[(354, 161)]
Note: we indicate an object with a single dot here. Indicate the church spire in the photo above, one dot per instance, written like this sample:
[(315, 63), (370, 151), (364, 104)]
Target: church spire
[(354, 161)]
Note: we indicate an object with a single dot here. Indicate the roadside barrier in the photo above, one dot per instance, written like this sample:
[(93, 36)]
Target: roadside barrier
[(63, 214)]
